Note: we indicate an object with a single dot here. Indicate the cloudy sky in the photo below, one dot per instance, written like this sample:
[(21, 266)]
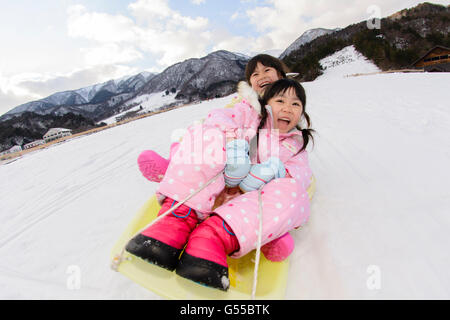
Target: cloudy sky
[(56, 45)]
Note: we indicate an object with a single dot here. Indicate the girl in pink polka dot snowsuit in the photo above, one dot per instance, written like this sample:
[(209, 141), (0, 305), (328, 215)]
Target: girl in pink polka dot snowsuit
[(232, 229)]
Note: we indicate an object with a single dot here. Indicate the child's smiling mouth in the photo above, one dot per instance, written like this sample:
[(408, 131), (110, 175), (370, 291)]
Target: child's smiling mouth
[(263, 84), (283, 124)]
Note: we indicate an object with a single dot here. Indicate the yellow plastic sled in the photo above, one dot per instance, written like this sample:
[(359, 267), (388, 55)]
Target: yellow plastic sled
[(272, 276)]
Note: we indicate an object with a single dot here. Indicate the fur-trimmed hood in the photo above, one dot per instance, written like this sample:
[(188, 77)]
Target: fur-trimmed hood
[(247, 92)]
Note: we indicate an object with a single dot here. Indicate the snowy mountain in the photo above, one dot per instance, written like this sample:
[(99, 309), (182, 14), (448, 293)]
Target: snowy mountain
[(211, 76), (379, 218), (214, 75), (193, 80), (305, 38), (86, 100)]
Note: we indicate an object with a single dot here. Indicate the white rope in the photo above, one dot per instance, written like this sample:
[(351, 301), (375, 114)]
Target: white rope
[(258, 247), (117, 260)]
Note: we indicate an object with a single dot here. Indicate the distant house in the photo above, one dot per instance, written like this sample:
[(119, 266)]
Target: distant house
[(435, 60), (33, 144), (56, 133), (12, 150)]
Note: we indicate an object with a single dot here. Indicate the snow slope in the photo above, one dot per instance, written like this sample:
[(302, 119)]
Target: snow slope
[(383, 198), (66, 205), (381, 207), (346, 62), (148, 102)]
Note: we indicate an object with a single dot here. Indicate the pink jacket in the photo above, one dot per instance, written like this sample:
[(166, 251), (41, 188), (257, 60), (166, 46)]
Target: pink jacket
[(201, 156)]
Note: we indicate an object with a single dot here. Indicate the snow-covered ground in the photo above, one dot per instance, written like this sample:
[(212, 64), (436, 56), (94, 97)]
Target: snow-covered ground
[(346, 62), (148, 102), (380, 216)]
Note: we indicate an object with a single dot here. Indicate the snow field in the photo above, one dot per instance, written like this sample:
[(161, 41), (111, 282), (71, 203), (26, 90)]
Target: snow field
[(380, 216)]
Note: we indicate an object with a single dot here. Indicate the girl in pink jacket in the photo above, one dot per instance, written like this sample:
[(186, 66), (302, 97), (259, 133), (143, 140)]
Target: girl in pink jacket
[(279, 127), (260, 71)]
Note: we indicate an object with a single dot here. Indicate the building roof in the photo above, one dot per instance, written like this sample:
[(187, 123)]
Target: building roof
[(428, 52), (15, 148), (55, 130), (35, 141)]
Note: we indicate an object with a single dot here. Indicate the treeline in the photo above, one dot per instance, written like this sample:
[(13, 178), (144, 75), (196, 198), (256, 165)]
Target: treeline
[(31, 126)]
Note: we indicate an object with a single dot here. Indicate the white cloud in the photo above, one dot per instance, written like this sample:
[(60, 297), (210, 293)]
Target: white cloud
[(48, 84), (249, 45), (100, 27), (26, 87), (109, 42), (12, 95), (233, 43), (156, 15), (156, 29), (110, 53), (150, 10)]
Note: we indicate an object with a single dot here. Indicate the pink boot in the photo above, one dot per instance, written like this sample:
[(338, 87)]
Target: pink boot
[(152, 166), (205, 257), (162, 242), (279, 249)]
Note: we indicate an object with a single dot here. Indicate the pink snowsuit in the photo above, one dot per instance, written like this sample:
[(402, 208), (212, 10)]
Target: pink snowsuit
[(201, 156)]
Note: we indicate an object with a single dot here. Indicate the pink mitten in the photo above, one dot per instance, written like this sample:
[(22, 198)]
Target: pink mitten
[(279, 249)]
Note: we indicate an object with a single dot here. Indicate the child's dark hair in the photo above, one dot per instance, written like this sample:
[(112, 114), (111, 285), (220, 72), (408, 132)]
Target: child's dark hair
[(267, 61), (278, 88)]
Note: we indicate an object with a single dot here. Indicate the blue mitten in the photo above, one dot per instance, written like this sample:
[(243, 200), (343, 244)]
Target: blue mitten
[(238, 162), (263, 173)]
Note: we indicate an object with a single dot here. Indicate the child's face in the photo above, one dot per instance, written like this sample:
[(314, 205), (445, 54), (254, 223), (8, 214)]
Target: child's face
[(286, 109), (262, 76)]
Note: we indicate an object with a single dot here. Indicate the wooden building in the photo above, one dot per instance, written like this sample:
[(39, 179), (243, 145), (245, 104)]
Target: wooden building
[(435, 60)]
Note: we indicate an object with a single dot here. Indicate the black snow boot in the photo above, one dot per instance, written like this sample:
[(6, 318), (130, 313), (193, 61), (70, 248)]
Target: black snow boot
[(154, 251), (203, 271)]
